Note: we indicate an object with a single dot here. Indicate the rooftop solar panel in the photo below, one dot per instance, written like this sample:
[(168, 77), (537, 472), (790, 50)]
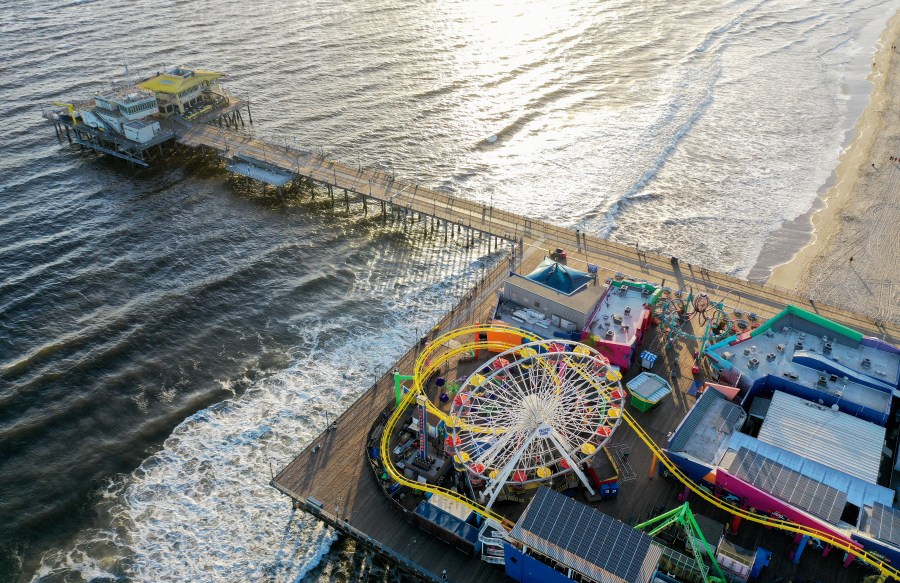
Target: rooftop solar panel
[(584, 539), (884, 523), (791, 486)]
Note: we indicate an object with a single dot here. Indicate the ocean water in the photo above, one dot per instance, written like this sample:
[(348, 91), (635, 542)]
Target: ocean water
[(169, 337)]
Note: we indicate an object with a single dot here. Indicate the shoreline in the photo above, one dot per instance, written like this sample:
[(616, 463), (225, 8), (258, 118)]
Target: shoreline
[(851, 259)]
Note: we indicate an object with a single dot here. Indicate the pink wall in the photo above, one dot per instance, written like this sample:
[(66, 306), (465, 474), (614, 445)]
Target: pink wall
[(767, 503), (618, 354)]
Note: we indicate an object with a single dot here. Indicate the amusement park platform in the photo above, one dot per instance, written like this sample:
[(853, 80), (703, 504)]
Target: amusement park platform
[(333, 479)]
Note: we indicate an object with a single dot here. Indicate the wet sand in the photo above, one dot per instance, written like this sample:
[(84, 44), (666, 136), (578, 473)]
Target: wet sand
[(853, 259)]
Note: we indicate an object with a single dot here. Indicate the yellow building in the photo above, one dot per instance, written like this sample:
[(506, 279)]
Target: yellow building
[(185, 91)]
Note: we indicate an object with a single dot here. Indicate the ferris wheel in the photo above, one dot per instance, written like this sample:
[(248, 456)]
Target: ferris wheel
[(534, 412)]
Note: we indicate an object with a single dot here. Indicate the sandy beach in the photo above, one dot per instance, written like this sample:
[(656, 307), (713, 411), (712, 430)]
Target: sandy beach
[(853, 259)]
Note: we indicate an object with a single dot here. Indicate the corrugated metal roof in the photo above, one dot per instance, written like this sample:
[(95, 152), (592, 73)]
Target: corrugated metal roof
[(818, 433), (590, 542), (859, 492), (703, 434)]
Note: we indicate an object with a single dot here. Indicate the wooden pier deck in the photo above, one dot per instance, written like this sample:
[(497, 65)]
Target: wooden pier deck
[(380, 186), (333, 468)]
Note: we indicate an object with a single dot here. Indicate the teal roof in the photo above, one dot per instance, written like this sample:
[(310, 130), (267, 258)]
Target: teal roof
[(560, 277)]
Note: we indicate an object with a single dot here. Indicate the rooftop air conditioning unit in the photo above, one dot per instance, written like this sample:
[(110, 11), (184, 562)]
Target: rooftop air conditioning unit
[(780, 347), (770, 357), (727, 355), (627, 310), (770, 334), (866, 363), (753, 363), (609, 334), (617, 318), (746, 352), (827, 348), (645, 292), (798, 345)]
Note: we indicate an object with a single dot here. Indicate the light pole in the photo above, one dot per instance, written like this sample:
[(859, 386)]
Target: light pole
[(491, 220)]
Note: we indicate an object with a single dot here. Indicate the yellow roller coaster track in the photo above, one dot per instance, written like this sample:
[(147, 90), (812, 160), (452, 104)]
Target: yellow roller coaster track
[(425, 367), (885, 569)]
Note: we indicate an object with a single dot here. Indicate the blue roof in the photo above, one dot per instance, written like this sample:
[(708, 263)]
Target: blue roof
[(559, 277)]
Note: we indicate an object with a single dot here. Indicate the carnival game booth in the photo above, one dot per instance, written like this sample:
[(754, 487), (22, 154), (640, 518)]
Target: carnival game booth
[(806, 355), (617, 326), (553, 301), (539, 550), (647, 390)]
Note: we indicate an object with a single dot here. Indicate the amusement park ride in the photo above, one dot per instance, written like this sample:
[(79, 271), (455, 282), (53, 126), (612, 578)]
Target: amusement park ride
[(541, 410), (683, 315)]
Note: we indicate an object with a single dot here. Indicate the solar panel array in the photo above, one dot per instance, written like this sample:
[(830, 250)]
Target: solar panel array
[(582, 538), (791, 486), (884, 524)]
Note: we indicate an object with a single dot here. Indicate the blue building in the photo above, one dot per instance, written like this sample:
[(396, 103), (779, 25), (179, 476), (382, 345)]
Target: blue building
[(806, 355)]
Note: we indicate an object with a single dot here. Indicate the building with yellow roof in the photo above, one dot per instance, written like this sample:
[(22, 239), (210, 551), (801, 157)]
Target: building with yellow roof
[(183, 91)]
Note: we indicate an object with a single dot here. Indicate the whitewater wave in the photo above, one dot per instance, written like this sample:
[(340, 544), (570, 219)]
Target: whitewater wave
[(201, 508)]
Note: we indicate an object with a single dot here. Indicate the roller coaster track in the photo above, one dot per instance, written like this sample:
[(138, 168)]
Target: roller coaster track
[(425, 367)]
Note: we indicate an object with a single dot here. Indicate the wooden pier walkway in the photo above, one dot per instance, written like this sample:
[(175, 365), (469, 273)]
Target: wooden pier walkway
[(333, 468), (403, 196)]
